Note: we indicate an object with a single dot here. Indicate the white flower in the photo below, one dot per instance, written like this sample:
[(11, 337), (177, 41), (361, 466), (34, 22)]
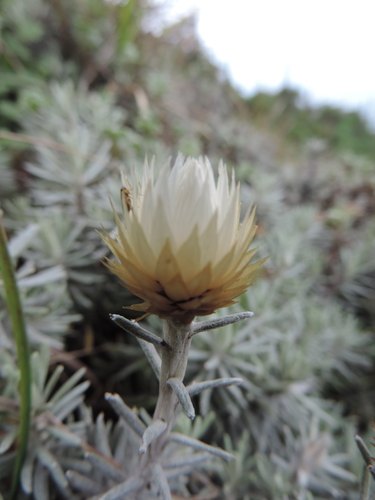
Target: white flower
[(180, 246)]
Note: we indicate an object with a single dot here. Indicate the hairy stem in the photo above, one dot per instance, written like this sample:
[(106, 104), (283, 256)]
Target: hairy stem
[(173, 365)]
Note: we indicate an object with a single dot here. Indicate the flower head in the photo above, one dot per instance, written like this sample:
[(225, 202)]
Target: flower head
[(180, 246)]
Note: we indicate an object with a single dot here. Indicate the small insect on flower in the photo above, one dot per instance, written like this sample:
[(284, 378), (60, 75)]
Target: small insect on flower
[(181, 246), (126, 198)]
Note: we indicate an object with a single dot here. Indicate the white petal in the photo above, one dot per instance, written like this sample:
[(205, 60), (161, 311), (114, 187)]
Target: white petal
[(160, 230), (228, 225)]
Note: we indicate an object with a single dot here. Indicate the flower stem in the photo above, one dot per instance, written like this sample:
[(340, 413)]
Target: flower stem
[(18, 323), (173, 365)]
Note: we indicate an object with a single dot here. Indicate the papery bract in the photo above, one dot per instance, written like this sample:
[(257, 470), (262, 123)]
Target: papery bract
[(181, 246)]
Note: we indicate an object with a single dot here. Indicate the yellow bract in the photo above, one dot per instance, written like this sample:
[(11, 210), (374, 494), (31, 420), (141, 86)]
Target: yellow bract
[(180, 246)]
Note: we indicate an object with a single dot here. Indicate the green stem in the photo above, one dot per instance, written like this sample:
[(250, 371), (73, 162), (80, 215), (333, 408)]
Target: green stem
[(18, 323)]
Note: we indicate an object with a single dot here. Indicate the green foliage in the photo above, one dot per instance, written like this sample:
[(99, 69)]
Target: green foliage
[(298, 121)]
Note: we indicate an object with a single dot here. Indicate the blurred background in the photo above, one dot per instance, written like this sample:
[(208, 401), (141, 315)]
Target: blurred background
[(320, 48), (284, 95)]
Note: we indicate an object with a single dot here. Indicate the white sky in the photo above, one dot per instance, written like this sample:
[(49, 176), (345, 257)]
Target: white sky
[(326, 47)]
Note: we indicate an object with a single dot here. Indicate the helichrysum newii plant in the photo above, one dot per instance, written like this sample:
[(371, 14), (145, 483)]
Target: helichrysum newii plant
[(305, 469), (181, 248), (56, 437), (72, 168), (46, 305)]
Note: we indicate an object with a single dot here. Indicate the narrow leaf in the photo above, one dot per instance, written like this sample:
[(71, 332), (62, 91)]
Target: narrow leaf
[(191, 460), (28, 471), (52, 381), (62, 403), (121, 490), (69, 384), (64, 434), (40, 483), (76, 464), (152, 356), (152, 432), (138, 331), (106, 467), (126, 413), (183, 396), (199, 445), (22, 344), (57, 474), (101, 436), (364, 450), (70, 406), (7, 441), (211, 324), (82, 483), (161, 482), (50, 275), (197, 387), (365, 484), (19, 242)]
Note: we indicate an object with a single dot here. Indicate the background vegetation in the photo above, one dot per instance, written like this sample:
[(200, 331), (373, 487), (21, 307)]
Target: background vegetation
[(86, 90)]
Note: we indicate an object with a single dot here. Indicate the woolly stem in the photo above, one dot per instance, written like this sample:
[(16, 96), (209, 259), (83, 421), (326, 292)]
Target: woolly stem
[(173, 365)]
